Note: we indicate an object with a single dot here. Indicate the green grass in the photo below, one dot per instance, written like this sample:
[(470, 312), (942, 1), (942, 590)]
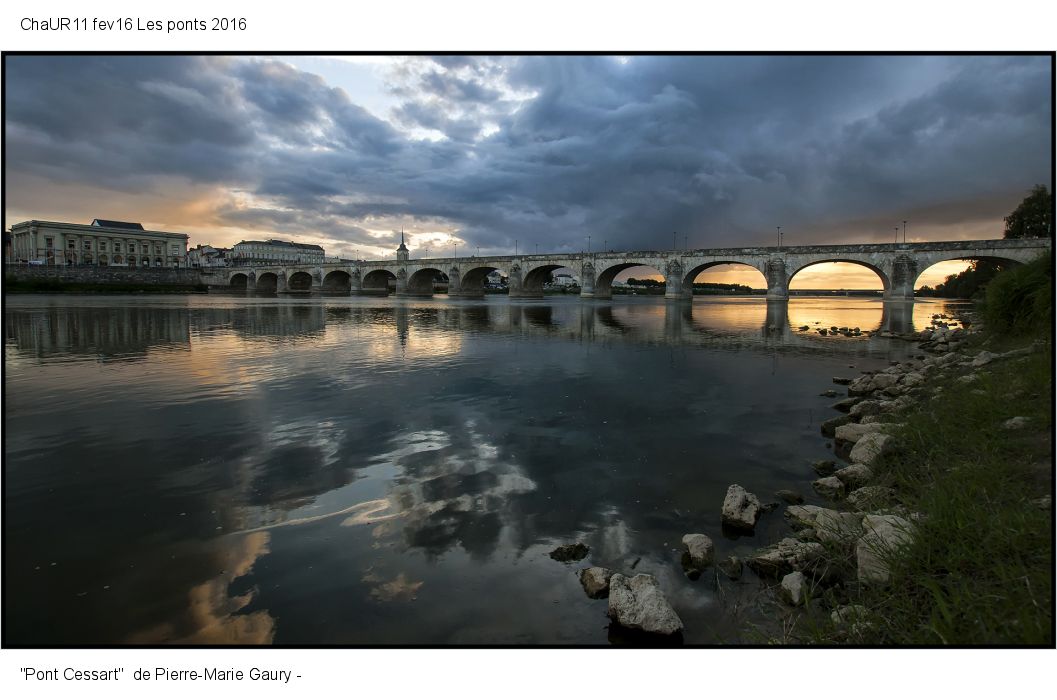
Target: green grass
[(980, 569)]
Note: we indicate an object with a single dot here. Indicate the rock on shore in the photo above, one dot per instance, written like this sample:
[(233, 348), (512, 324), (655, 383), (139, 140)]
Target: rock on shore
[(741, 509), (785, 557), (870, 447), (882, 535), (595, 581), (699, 550), (637, 603)]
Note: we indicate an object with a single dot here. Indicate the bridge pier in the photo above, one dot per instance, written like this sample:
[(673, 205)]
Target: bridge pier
[(903, 274), (675, 288), (516, 287), (777, 279), (405, 289)]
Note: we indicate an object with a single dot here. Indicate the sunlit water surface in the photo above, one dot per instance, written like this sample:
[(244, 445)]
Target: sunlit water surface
[(220, 469)]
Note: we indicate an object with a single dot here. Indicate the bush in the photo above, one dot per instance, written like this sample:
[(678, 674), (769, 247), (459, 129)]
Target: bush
[(1020, 300)]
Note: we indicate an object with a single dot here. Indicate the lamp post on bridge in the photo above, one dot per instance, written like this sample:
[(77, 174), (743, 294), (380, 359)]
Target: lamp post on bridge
[(904, 232), (897, 235), (588, 243), (779, 238)]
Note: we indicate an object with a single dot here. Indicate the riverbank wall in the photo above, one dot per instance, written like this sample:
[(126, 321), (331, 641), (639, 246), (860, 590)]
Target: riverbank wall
[(45, 278)]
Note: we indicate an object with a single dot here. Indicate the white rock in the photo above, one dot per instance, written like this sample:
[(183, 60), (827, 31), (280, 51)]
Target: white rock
[(829, 487), (884, 380), (883, 535), (1016, 423), (967, 378), (864, 408), (637, 603), (862, 385), (793, 588), (786, 556), (982, 358), (595, 581), (853, 432), (830, 526), (948, 358), (700, 549), (854, 475), (741, 509), (912, 379), (870, 447)]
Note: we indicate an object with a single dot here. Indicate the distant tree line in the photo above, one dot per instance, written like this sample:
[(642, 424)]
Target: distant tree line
[(703, 287), (1033, 218)]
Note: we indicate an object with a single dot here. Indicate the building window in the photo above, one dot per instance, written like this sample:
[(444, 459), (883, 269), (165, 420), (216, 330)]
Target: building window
[(87, 245), (102, 246), (87, 258), (157, 262), (146, 262), (102, 260), (117, 249), (132, 247), (117, 260), (131, 261)]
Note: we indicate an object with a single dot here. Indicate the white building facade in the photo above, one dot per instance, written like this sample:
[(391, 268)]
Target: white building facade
[(208, 256), (103, 243), (275, 251)]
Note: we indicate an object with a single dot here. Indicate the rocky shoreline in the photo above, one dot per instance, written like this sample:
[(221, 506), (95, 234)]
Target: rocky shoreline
[(832, 550)]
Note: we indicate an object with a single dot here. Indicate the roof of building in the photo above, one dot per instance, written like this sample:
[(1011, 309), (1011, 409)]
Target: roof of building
[(107, 223), (285, 244)]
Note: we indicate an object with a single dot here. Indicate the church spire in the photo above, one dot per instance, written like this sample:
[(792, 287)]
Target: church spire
[(402, 252)]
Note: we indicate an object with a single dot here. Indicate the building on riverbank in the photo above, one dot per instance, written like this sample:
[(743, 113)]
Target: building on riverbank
[(102, 243), (209, 256), (276, 251)]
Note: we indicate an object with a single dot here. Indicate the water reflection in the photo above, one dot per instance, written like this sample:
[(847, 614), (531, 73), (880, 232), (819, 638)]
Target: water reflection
[(379, 471)]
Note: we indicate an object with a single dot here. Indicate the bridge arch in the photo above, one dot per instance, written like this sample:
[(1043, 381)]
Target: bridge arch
[(239, 280), (693, 273), (268, 282), (533, 279), (378, 282), (604, 280), (1007, 259), (420, 282), (337, 281), (883, 276), (299, 281), (472, 281)]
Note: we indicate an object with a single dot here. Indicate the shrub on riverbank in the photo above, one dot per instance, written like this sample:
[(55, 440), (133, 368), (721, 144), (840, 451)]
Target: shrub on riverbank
[(1020, 300)]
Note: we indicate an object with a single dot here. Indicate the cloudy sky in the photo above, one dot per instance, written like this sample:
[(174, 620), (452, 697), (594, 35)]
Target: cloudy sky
[(346, 151)]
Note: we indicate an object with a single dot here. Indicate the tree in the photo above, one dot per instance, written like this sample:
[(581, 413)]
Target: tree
[(1033, 218)]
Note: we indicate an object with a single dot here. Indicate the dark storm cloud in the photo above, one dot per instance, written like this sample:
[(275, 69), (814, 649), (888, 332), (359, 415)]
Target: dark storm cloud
[(721, 149)]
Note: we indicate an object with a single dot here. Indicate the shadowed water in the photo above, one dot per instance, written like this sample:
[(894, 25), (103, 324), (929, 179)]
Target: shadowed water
[(214, 469)]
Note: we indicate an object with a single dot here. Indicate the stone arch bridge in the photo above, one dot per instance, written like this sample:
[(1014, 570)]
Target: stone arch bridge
[(897, 265)]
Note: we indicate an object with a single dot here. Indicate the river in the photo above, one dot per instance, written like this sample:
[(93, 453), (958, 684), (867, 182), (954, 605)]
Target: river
[(226, 469)]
